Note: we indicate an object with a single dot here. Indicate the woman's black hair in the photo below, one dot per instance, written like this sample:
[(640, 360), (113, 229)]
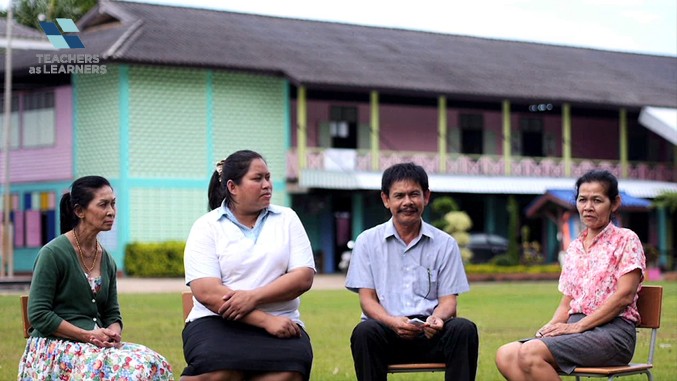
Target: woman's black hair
[(233, 168), (602, 176), (404, 171), (81, 193)]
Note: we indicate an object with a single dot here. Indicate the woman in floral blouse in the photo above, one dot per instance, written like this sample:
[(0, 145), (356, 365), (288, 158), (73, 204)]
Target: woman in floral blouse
[(595, 322)]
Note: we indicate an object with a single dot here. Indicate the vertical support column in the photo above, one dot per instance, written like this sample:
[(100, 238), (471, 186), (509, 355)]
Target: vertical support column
[(209, 93), (623, 134), (328, 237), (442, 132), (566, 139), (302, 129), (662, 236), (552, 248), (674, 160), (375, 133), (287, 141), (507, 148), (357, 215), (490, 207), (124, 192)]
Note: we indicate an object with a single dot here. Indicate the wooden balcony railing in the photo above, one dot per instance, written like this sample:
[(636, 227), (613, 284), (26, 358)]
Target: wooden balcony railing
[(479, 165)]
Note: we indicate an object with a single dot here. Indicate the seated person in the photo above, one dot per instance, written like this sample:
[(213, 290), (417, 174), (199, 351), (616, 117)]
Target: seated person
[(588, 328), (402, 269), (73, 303), (247, 262)]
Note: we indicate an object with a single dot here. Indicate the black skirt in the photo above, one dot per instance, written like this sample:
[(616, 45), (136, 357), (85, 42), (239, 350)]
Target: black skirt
[(212, 343)]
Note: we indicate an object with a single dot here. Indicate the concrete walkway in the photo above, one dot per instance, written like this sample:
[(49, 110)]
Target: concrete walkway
[(128, 285)]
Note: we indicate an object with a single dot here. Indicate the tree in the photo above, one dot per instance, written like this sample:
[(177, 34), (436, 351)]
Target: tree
[(457, 225), (447, 216), (31, 12), (440, 207), (513, 226), (667, 200)]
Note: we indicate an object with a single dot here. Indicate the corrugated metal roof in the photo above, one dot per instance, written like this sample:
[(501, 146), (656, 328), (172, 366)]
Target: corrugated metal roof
[(474, 184), (662, 121), (360, 58), (23, 37)]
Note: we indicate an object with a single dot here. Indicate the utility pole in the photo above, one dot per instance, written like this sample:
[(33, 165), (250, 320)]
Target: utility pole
[(7, 244)]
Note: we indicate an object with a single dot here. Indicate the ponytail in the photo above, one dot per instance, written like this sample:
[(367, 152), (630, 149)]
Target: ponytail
[(67, 214), (216, 192)]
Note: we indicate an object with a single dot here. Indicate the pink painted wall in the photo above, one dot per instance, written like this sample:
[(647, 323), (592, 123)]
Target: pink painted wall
[(317, 113), (414, 128), (408, 128), (594, 138), (48, 163), (493, 122)]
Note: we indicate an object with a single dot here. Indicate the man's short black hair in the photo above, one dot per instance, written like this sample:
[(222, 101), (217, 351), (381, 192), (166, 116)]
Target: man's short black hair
[(404, 171)]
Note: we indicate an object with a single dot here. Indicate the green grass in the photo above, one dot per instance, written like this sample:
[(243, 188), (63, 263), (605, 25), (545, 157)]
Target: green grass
[(503, 312)]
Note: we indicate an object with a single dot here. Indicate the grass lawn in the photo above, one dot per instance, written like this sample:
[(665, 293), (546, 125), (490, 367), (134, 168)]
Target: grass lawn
[(502, 311)]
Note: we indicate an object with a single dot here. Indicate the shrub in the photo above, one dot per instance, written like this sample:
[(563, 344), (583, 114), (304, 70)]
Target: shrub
[(155, 260), (457, 223), (503, 260), (440, 207), (495, 268)]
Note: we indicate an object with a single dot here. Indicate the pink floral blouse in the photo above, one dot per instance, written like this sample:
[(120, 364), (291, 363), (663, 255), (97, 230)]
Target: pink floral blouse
[(589, 278)]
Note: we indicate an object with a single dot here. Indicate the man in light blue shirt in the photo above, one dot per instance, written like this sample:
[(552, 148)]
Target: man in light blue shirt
[(406, 269)]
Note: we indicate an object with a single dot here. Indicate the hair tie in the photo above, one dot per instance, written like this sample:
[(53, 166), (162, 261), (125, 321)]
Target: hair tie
[(219, 168)]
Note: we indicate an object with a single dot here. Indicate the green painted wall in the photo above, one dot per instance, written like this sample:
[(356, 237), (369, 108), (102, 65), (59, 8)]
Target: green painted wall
[(167, 123), (97, 130), (156, 132), (250, 112), (165, 213)]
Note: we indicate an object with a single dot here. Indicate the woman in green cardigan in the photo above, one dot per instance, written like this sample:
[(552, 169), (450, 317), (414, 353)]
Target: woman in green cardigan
[(73, 305)]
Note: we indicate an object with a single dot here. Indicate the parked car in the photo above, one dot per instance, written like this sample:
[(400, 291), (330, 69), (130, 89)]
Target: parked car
[(486, 246)]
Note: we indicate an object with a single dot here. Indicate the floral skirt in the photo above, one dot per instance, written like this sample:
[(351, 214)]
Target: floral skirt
[(55, 359)]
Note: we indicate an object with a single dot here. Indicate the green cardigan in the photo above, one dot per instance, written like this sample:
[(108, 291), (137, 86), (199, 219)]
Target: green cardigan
[(60, 291)]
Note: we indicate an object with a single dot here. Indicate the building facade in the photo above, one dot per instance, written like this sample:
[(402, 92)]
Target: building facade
[(330, 106)]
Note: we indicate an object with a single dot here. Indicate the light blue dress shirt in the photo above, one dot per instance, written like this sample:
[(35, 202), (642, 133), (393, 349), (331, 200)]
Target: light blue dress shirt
[(408, 279)]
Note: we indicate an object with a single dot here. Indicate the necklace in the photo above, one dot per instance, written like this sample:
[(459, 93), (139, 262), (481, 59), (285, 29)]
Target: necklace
[(82, 257)]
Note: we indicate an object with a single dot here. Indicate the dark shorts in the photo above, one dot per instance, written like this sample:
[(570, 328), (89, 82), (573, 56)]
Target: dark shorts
[(212, 343), (611, 344)]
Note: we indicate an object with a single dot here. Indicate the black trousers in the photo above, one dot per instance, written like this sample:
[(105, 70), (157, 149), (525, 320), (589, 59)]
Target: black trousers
[(375, 346)]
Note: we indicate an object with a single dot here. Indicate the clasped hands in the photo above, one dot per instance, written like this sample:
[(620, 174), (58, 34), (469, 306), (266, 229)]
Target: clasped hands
[(407, 330), (239, 303), (105, 338)]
